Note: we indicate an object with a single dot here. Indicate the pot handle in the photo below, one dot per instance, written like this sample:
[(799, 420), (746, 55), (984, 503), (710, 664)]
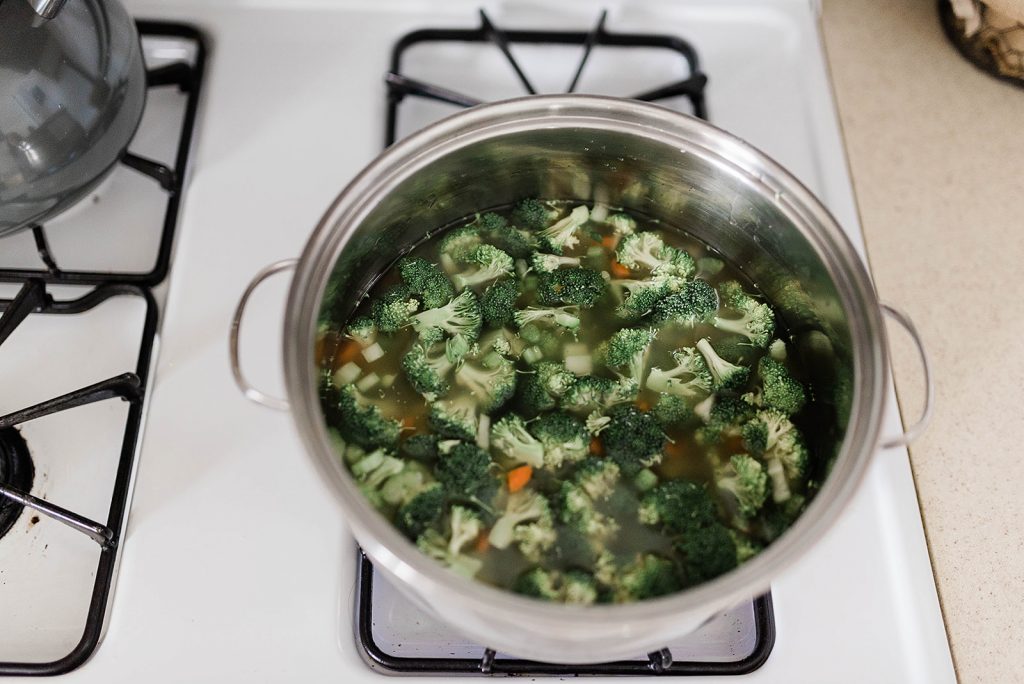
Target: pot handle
[(915, 430), (250, 392)]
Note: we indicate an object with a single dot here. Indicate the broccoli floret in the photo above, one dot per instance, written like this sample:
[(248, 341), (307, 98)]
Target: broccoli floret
[(597, 477), (426, 280), (690, 379), (648, 250), (706, 553), (464, 527), (359, 422), (534, 539), (362, 330), (545, 263), (561, 235), (457, 244), (572, 586), (724, 375), (774, 438), (491, 387), (577, 510), (524, 506), (622, 224), (539, 391), (373, 469), (422, 447), (671, 410), (777, 350), (460, 316), (780, 390), (710, 266), (724, 420), (539, 583), (579, 286), (509, 239), (579, 587), (491, 263), (533, 214), (563, 437), (756, 320), (777, 518), (563, 317), (633, 439), (499, 302), (647, 577), (427, 367), (404, 486), (626, 352), (745, 480), (592, 393), (391, 311), (640, 297), (746, 548), (421, 512), (677, 506), (454, 419), (511, 438), (596, 423), (694, 303), (467, 472)]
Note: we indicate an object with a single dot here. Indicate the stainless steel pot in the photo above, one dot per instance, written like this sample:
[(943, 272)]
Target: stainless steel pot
[(647, 160), (72, 90)]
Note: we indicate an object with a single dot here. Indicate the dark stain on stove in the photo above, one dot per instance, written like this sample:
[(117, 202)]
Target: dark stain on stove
[(33, 520)]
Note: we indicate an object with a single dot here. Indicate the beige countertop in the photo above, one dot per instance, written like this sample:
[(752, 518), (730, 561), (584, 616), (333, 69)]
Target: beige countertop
[(936, 150)]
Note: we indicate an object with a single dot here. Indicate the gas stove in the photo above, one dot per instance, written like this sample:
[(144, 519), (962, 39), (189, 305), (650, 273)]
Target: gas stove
[(235, 563)]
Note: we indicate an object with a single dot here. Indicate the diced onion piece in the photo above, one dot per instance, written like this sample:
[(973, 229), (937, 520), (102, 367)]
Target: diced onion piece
[(575, 349), (483, 432), (347, 374), (599, 213), (368, 383), (388, 380), (579, 364), (777, 350), (532, 354), (373, 352), (595, 252)]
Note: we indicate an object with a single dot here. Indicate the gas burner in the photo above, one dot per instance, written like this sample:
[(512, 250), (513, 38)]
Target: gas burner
[(16, 471)]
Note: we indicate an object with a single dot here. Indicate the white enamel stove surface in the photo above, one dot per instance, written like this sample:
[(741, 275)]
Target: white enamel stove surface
[(237, 566)]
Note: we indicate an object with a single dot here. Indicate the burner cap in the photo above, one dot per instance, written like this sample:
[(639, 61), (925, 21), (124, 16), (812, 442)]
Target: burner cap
[(17, 471)]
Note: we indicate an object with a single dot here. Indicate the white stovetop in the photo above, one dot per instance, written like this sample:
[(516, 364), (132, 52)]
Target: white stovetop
[(237, 565)]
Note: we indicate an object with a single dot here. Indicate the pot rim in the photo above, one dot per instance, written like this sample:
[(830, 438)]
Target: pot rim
[(385, 544)]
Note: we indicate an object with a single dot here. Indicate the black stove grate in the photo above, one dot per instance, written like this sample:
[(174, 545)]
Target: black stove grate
[(34, 299), (188, 79), (399, 87)]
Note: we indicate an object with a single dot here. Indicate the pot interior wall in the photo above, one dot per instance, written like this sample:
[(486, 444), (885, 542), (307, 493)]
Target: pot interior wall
[(686, 189)]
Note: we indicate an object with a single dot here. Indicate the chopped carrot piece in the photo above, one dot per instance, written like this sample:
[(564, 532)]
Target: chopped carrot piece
[(674, 450), (643, 404), (618, 270), (347, 351), (518, 477), (609, 242), (596, 448), (483, 542)]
